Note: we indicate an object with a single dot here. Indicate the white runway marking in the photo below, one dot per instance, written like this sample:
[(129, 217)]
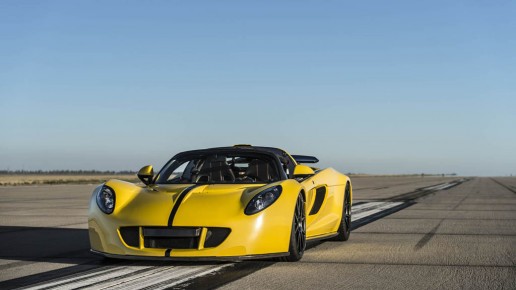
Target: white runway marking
[(89, 276), (370, 208), (360, 207), (132, 277), (439, 186)]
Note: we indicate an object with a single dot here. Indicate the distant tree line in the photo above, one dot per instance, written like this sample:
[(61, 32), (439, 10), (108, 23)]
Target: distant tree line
[(66, 172)]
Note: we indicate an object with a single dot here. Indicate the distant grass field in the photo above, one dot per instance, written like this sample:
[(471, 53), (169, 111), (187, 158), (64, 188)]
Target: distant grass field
[(38, 179)]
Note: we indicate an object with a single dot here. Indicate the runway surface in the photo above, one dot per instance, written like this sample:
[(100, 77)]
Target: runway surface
[(409, 232)]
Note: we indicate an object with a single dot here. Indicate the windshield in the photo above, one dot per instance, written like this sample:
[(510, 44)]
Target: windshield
[(220, 169)]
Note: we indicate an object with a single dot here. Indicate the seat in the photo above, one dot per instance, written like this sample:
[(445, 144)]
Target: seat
[(259, 170), (215, 169)]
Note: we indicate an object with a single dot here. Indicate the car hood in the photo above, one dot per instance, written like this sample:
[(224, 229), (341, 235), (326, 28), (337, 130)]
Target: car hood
[(191, 204)]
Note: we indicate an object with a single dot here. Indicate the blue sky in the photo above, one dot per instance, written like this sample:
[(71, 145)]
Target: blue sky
[(367, 86)]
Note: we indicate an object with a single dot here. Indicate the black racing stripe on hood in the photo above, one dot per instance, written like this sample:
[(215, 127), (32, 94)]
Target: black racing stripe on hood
[(178, 203)]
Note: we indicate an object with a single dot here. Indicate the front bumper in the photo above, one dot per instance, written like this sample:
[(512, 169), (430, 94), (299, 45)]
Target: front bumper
[(173, 237), (207, 242), (193, 258), (204, 213)]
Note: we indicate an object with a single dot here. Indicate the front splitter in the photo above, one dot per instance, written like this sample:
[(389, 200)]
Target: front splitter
[(186, 259)]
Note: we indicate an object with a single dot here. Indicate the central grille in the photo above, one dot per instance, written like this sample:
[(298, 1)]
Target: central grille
[(171, 243), (171, 238)]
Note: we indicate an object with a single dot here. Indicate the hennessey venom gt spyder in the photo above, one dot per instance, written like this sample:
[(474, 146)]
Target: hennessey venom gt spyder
[(232, 203)]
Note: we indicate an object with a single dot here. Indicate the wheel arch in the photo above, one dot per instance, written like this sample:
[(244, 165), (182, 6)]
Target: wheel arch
[(303, 193)]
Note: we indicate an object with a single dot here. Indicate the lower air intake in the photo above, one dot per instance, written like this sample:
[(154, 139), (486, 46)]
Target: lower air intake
[(131, 236), (215, 237)]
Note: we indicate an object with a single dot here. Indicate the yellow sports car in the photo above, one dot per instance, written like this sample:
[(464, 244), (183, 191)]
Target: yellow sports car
[(232, 203)]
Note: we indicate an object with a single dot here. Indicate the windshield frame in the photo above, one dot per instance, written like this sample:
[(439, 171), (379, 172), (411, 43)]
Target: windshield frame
[(259, 154)]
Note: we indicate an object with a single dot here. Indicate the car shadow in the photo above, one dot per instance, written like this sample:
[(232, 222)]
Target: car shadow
[(24, 246), (45, 244)]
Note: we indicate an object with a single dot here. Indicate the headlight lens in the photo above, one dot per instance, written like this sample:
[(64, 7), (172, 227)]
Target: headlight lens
[(106, 199), (263, 200)]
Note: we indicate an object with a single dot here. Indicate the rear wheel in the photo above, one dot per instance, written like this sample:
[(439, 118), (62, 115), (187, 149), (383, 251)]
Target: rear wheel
[(344, 230), (297, 243)]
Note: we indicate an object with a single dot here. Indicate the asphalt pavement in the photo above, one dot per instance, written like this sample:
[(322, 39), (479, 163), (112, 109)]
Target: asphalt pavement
[(462, 236)]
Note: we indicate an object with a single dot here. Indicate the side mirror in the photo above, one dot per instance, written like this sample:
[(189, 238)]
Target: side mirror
[(302, 171), (146, 174)]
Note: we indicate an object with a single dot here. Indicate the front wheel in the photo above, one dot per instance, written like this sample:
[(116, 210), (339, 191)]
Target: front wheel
[(297, 243), (344, 230)]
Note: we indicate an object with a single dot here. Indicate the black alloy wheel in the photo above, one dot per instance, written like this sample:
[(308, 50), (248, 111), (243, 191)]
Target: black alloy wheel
[(297, 243)]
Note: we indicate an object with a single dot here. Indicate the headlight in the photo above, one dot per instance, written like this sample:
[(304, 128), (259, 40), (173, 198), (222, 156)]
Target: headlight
[(263, 200), (106, 199)]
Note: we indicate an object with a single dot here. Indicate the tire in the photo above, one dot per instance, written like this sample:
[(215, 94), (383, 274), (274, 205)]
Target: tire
[(297, 242), (344, 230)]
